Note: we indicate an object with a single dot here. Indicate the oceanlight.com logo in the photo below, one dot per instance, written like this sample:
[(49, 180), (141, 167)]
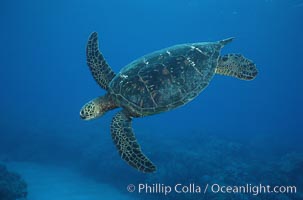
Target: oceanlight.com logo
[(192, 188)]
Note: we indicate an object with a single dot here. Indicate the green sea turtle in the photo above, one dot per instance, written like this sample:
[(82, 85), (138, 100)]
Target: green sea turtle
[(156, 83)]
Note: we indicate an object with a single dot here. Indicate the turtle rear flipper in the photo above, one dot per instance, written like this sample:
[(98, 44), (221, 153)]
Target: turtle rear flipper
[(127, 145), (100, 70), (237, 66)]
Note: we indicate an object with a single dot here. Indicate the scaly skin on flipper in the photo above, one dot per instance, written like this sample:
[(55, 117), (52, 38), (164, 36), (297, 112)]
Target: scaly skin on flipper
[(126, 143), (100, 70), (237, 66)]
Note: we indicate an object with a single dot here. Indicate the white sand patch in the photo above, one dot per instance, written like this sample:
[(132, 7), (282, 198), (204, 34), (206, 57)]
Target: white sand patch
[(56, 183)]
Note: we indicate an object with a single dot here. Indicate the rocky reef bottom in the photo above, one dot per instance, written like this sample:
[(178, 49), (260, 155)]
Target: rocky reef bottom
[(191, 159), (12, 186), (201, 160)]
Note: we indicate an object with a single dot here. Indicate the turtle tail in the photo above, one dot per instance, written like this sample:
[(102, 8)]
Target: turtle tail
[(236, 65), (226, 41)]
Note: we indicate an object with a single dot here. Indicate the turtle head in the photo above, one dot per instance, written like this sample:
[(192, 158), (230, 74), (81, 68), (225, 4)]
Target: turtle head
[(96, 107), (91, 110)]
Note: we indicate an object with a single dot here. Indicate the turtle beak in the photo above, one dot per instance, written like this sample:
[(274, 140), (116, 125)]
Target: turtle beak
[(82, 115), (85, 115)]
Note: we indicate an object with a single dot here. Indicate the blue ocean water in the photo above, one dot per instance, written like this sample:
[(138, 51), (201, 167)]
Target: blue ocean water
[(235, 132)]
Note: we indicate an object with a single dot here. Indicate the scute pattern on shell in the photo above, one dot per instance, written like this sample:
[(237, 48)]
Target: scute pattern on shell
[(165, 79)]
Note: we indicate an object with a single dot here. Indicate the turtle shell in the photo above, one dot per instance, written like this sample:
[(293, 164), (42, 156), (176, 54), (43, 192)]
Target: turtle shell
[(165, 79)]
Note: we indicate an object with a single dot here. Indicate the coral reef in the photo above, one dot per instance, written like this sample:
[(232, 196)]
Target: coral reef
[(200, 159), (12, 186), (212, 160)]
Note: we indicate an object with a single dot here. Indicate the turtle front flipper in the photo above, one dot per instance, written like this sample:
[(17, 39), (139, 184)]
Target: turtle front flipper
[(100, 70), (237, 66), (127, 145)]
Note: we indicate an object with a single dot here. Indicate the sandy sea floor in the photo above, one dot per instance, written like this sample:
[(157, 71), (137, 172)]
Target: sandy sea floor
[(51, 182)]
